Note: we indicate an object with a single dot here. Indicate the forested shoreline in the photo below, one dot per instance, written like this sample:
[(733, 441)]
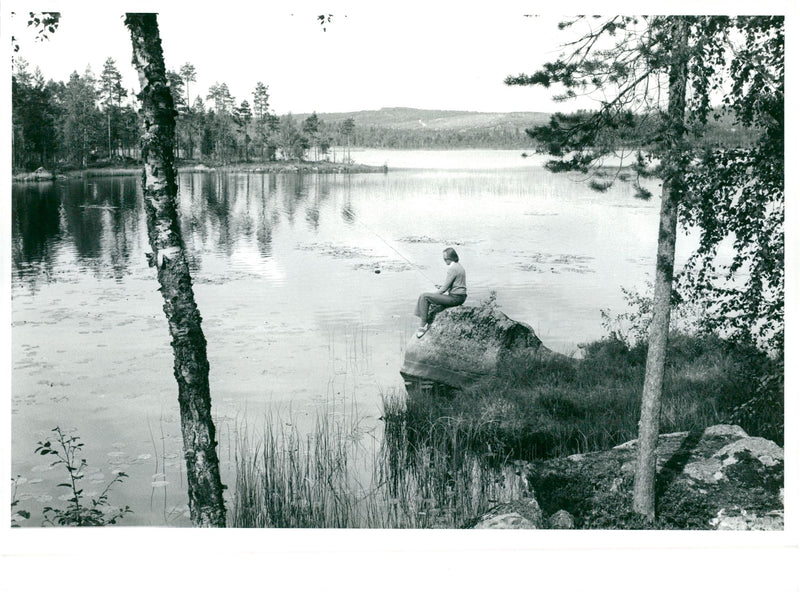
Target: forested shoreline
[(93, 121)]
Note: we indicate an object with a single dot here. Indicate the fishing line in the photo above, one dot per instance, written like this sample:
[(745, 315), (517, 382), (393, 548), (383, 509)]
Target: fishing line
[(406, 259)]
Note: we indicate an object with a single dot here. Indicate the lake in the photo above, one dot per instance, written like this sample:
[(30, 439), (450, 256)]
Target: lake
[(306, 284)]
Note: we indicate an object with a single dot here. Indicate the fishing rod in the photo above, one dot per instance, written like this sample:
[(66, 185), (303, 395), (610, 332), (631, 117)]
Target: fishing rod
[(385, 242)]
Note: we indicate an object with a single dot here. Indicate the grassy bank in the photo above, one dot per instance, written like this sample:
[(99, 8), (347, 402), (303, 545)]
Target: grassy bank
[(540, 409)]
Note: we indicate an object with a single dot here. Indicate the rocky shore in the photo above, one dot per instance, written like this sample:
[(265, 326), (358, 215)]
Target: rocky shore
[(719, 478), (324, 167)]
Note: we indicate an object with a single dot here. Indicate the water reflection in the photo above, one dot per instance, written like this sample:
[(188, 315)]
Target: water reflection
[(92, 223), (98, 223), (35, 226)]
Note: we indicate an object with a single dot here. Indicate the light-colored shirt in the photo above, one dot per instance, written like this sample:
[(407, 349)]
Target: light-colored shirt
[(456, 280)]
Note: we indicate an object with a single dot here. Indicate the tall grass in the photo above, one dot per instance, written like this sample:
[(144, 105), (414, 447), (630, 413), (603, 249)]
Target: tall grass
[(334, 478), (536, 408)]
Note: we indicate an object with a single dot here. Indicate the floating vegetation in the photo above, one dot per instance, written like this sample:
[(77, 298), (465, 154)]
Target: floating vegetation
[(337, 251), (543, 263), (417, 239), (429, 240), (384, 265)]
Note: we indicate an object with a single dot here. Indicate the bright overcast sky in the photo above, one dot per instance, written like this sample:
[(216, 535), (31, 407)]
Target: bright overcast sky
[(371, 56), (434, 54)]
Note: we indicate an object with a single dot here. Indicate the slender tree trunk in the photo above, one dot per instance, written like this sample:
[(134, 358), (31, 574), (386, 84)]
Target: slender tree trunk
[(644, 477), (188, 342)]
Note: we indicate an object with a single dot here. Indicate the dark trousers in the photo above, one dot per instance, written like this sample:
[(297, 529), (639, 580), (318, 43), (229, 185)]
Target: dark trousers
[(444, 300)]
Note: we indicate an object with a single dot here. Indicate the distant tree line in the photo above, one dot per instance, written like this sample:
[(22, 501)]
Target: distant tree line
[(720, 132), (374, 136), (93, 121)]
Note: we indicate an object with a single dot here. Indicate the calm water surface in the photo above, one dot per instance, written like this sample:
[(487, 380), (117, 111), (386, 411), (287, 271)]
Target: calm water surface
[(306, 284)]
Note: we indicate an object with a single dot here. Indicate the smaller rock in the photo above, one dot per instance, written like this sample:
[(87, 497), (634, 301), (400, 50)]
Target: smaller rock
[(562, 520), (730, 431), (519, 514), (510, 521), (742, 520)]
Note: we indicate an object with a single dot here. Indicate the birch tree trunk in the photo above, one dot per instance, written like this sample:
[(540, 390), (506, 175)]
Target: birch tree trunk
[(188, 342), (673, 189)]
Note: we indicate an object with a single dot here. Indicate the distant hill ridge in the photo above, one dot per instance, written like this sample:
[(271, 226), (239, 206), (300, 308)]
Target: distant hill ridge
[(404, 127), (405, 118)]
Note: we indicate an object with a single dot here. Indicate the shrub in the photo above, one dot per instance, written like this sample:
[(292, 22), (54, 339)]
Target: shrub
[(81, 511)]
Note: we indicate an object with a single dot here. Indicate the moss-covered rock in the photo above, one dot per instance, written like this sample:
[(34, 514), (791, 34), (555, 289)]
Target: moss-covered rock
[(716, 479), (466, 343)]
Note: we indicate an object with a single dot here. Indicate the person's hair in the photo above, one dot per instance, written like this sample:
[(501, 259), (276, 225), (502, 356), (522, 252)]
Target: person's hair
[(450, 253)]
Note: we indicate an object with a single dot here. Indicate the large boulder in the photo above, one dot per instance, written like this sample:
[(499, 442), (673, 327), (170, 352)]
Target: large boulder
[(465, 343), (717, 479)]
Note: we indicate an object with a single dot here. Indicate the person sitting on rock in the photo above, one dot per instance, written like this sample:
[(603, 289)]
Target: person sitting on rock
[(452, 293)]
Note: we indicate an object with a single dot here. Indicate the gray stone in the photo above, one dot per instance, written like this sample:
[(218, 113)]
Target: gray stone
[(562, 520), (465, 343), (629, 445), (735, 519), (510, 521), (764, 450), (710, 470), (688, 468), (524, 513), (730, 431), (662, 439), (707, 470)]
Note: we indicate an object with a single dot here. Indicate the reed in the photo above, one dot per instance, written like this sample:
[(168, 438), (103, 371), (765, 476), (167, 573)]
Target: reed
[(332, 477)]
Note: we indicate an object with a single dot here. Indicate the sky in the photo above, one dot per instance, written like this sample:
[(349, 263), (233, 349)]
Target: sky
[(438, 54), (370, 56)]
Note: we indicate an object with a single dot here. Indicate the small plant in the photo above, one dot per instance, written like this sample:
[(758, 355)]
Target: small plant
[(81, 511), (17, 516)]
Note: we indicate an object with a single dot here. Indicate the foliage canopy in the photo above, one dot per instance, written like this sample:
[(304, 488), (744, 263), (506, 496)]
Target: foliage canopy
[(733, 193)]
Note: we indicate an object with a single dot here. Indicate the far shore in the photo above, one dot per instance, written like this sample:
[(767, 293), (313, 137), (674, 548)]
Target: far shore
[(294, 166)]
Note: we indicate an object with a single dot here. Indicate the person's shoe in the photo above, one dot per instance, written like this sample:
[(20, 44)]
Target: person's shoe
[(421, 331)]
